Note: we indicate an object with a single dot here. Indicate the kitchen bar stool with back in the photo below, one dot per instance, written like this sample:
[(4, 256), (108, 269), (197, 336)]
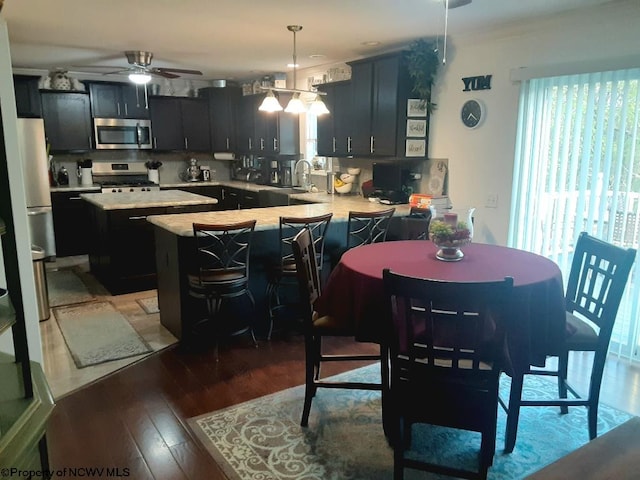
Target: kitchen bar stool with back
[(282, 273), (222, 273), (364, 228), (598, 276)]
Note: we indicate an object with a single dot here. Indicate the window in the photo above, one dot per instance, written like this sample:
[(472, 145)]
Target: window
[(577, 168)]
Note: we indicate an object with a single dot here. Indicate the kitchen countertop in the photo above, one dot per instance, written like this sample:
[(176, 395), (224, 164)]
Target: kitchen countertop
[(269, 218), (162, 198)]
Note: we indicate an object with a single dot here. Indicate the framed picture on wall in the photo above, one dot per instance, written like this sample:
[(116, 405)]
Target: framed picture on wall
[(416, 108), (415, 148), (416, 128)]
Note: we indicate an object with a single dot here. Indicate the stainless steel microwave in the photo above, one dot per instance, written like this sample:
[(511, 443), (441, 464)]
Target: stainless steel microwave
[(122, 133)]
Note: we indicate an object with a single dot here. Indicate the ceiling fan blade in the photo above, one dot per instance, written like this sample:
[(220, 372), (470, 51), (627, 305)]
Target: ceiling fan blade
[(179, 70), (160, 73)]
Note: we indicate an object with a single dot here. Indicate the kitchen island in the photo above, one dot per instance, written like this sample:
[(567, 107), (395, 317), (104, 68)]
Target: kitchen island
[(121, 250), (175, 251)]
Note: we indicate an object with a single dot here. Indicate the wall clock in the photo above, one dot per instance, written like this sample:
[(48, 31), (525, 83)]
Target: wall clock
[(472, 113)]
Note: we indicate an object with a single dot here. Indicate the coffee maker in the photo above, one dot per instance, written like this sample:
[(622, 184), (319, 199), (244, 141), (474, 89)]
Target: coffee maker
[(287, 173)]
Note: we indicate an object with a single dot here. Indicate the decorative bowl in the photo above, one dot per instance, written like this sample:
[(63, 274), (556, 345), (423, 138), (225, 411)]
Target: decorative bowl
[(346, 178), (450, 250), (346, 188)]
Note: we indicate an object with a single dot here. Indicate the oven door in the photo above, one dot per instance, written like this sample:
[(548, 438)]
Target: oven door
[(118, 133)]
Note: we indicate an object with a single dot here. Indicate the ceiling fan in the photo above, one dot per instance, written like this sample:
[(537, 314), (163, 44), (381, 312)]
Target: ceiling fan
[(140, 69)]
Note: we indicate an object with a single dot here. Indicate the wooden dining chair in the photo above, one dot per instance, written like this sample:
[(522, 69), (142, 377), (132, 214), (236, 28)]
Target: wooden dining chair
[(221, 272), (283, 271), (415, 226), (446, 346), (599, 273), (317, 327)]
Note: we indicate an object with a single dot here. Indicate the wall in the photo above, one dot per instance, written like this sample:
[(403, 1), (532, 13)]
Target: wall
[(481, 160)]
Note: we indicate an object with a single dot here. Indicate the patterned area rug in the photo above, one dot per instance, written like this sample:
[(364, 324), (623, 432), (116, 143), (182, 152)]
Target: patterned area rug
[(263, 438), (149, 305), (96, 332), (66, 288)]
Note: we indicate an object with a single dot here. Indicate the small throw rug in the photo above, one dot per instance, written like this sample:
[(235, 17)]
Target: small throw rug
[(66, 288), (149, 305), (96, 332), (263, 439)]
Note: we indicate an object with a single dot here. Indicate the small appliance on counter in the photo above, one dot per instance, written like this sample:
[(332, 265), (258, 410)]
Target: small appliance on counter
[(63, 176)]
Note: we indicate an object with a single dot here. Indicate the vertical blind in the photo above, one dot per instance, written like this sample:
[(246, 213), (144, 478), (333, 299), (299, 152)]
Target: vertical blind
[(577, 168)]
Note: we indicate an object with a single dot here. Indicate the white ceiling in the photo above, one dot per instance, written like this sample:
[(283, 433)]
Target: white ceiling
[(240, 39)]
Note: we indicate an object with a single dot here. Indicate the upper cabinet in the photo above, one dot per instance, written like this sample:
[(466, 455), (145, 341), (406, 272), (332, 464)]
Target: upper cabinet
[(27, 96), (267, 133), (180, 124), (380, 88), (335, 130), (223, 115), (67, 120), (118, 100)]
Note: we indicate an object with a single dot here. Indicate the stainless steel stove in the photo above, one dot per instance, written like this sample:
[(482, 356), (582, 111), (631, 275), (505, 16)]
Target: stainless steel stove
[(118, 177)]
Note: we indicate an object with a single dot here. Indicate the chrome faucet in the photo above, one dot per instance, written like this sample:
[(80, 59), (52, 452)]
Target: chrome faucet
[(305, 176)]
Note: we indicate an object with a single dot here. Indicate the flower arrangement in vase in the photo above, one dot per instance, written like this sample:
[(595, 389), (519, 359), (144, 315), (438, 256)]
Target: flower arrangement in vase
[(449, 236)]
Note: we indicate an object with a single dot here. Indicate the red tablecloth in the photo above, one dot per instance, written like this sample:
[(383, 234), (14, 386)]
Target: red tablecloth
[(355, 290)]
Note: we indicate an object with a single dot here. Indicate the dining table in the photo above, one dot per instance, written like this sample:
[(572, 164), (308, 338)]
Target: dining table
[(536, 327)]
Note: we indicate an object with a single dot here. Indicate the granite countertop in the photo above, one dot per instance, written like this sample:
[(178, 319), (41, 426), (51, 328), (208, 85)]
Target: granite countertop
[(162, 198), (76, 188), (269, 218)]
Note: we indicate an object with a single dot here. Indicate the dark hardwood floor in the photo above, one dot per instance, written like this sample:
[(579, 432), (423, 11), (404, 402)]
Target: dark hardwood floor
[(136, 418)]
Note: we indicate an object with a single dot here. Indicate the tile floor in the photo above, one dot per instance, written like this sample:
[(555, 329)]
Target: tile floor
[(61, 372)]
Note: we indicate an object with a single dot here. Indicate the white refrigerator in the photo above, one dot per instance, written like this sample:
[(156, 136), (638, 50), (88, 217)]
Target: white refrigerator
[(35, 164)]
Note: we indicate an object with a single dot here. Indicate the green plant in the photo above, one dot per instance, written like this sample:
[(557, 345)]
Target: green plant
[(441, 232), (422, 63)]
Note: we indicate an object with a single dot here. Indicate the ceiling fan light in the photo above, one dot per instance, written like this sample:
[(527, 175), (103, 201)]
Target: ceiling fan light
[(295, 105), (318, 107), (140, 78), (270, 103)]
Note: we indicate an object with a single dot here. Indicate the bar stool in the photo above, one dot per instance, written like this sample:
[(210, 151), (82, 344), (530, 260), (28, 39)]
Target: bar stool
[(284, 272), (222, 255)]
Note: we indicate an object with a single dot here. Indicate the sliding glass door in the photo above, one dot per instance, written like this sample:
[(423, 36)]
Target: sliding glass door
[(577, 168)]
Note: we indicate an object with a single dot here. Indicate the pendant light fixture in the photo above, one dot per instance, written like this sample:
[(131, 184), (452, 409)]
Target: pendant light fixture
[(295, 105)]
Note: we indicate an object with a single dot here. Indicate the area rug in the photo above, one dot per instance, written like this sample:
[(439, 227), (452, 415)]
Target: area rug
[(66, 288), (96, 332), (149, 305), (263, 439)]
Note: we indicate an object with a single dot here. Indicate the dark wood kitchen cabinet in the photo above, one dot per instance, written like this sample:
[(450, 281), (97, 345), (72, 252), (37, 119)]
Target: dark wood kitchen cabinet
[(118, 100), (70, 218), (67, 121), (122, 246), (267, 133), (27, 96), (223, 113), (381, 87), (180, 124), (335, 129)]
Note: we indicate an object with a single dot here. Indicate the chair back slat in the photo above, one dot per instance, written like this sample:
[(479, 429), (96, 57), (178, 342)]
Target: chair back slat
[(291, 226), (598, 276), (307, 269)]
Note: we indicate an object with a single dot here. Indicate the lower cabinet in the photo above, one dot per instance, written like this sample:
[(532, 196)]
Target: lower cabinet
[(122, 246), (70, 220)]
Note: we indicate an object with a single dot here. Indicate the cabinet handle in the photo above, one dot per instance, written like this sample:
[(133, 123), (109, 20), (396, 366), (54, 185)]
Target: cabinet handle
[(227, 143), (371, 144), (186, 143), (126, 110), (348, 144), (333, 143), (155, 142), (138, 217), (90, 142), (75, 198), (250, 143), (118, 105), (275, 144), (262, 144)]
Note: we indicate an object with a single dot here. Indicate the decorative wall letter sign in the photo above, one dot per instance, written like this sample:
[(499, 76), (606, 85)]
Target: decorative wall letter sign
[(482, 82)]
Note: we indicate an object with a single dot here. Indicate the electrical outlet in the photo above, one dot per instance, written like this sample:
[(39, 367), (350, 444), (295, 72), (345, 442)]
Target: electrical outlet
[(492, 200)]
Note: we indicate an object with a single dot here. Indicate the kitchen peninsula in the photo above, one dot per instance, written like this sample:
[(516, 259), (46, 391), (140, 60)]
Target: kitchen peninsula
[(121, 253), (175, 250)]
